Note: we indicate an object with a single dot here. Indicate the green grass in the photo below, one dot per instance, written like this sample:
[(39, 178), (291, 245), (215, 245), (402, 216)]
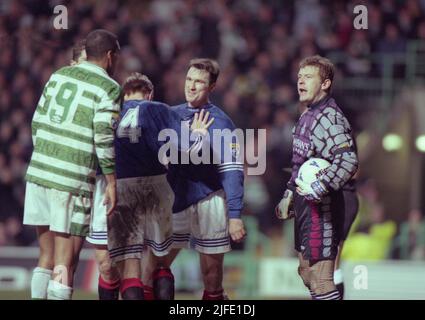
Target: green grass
[(26, 295), (78, 295)]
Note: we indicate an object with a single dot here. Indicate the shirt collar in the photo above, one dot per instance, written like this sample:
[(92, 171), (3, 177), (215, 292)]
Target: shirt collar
[(320, 102), (94, 66), (205, 106)]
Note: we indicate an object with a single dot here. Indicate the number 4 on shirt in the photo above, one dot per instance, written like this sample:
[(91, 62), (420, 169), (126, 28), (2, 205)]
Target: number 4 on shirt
[(129, 126)]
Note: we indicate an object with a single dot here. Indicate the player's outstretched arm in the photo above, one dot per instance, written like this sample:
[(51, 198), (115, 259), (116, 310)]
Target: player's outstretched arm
[(201, 123), (200, 127)]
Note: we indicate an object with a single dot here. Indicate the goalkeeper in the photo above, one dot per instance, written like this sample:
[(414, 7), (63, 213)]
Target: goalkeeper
[(322, 131)]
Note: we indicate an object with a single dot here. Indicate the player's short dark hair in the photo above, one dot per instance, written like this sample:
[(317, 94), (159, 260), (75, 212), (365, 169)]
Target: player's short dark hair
[(325, 66), (137, 82), (99, 42), (77, 49), (209, 65)]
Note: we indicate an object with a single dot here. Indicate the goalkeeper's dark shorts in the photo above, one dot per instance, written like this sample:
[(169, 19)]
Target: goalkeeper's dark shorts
[(351, 208), (318, 226)]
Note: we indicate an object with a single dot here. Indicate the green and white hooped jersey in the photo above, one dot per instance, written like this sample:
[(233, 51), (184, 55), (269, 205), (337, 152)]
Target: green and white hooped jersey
[(73, 129)]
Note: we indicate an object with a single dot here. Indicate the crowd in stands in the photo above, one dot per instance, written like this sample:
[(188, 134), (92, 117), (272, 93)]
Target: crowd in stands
[(257, 43)]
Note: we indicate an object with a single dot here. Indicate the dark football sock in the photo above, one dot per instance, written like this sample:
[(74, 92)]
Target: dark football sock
[(131, 289), (163, 284), (108, 290)]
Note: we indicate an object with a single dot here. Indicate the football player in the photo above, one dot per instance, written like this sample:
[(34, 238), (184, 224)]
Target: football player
[(322, 131)]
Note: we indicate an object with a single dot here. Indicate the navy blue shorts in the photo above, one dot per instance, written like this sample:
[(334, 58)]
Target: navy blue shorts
[(318, 226)]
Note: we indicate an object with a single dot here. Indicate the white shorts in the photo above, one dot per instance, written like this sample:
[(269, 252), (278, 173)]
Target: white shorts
[(98, 223), (142, 217), (60, 210), (203, 226)]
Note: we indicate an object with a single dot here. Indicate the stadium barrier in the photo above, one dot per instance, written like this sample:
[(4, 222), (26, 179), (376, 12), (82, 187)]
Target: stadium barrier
[(274, 278)]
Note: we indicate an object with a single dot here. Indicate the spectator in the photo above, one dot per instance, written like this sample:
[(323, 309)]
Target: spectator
[(375, 244), (256, 42), (411, 240)]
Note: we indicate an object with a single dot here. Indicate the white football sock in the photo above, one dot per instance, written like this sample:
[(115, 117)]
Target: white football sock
[(39, 282), (58, 291), (338, 278)]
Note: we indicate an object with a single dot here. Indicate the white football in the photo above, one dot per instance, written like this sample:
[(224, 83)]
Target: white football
[(312, 169)]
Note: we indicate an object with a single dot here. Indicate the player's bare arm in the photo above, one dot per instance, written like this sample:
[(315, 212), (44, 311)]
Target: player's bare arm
[(110, 192)]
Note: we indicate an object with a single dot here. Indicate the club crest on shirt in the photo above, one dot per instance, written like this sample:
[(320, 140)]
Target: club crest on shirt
[(236, 149), (344, 145)]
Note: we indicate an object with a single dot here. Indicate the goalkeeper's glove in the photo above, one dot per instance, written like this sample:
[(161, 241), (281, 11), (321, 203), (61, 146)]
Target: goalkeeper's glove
[(313, 192), (285, 208)]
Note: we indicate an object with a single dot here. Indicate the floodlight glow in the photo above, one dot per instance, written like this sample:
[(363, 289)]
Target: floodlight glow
[(392, 142), (420, 143)]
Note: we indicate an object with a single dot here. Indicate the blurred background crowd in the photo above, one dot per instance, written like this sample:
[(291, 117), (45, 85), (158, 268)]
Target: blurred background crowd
[(258, 45)]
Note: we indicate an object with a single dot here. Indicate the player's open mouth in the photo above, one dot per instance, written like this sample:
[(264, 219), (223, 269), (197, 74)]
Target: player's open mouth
[(302, 91)]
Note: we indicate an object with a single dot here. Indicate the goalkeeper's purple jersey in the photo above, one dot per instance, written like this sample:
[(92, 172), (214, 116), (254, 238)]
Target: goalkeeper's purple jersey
[(323, 131)]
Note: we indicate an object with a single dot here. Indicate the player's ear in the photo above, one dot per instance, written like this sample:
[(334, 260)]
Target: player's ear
[(150, 97), (109, 57), (212, 87), (326, 84)]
